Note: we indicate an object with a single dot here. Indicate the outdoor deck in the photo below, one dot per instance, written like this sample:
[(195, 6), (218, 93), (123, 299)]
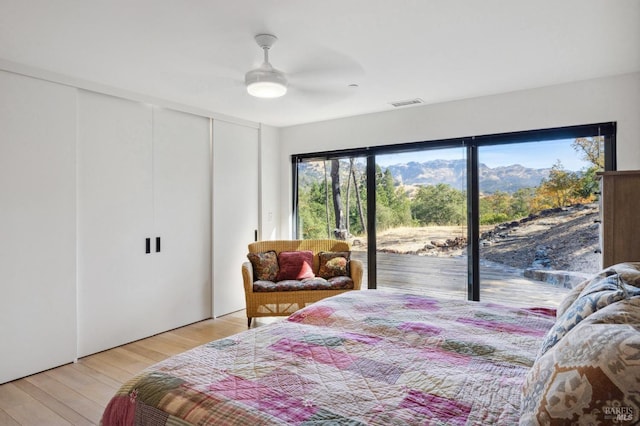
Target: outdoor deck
[(447, 277)]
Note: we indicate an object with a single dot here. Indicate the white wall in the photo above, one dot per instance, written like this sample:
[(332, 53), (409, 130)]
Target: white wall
[(593, 101), (235, 210), (41, 192), (37, 225), (269, 183)]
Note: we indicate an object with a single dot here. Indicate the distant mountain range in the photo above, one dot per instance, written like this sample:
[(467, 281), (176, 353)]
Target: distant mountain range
[(452, 172)]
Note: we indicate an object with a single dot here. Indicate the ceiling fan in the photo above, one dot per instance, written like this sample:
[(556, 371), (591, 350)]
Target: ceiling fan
[(266, 81)]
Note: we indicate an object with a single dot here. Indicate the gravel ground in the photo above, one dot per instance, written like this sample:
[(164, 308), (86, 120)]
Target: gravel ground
[(567, 237)]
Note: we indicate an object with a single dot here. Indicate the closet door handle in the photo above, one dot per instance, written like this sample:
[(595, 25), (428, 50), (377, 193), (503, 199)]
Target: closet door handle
[(148, 245), (157, 244)]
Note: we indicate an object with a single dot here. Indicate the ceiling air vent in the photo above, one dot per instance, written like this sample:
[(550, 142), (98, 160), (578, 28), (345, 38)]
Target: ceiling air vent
[(399, 104)]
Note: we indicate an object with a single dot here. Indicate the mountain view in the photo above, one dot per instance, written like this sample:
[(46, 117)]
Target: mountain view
[(454, 172), (332, 194)]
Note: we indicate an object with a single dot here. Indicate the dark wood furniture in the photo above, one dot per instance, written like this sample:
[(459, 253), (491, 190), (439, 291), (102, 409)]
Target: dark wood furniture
[(620, 211)]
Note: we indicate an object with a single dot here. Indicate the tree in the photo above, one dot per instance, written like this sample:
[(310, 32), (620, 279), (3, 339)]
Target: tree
[(522, 202), (589, 185), (326, 199), (393, 207), (352, 176), (335, 190), (384, 187), (495, 208), (592, 150), (359, 200), (358, 218), (562, 188), (559, 184), (311, 212), (439, 205)]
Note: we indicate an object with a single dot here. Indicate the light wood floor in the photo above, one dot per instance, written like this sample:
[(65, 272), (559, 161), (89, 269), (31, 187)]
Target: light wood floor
[(76, 394)]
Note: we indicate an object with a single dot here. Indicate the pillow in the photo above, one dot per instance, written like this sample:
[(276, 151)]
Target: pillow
[(333, 264), (571, 297), (595, 295), (628, 277), (265, 265), (295, 265), (629, 273), (591, 375)]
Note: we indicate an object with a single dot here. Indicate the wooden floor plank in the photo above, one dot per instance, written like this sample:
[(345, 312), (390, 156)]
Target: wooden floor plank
[(53, 404), (84, 369), (196, 333), (163, 346), (10, 396), (115, 373), (68, 396), (36, 414), (142, 348), (171, 337), (7, 420), (25, 409), (124, 359), (84, 384)]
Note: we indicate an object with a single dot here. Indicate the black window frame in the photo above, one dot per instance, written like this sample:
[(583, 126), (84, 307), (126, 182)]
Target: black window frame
[(471, 143)]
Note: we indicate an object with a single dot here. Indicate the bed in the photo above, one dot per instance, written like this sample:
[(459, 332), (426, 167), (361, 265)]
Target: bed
[(383, 358)]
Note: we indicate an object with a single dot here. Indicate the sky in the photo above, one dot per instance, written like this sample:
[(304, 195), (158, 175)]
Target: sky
[(535, 155)]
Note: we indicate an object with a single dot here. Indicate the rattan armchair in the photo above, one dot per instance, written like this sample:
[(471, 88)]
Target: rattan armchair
[(284, 303)]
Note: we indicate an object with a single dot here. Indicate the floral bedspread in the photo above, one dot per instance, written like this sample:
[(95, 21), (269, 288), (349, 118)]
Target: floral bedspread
[(363, 357)]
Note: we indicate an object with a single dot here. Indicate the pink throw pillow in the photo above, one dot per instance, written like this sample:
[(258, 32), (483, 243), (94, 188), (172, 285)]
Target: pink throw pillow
[(295, 265)]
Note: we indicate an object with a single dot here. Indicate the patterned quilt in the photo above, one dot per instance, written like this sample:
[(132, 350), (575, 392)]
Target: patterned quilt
[(363, 357)]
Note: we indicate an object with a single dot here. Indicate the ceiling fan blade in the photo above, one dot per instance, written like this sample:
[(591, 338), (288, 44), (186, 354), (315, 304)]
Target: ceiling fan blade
[(327, 75), (322, 94), (198, 83), (325, 65)]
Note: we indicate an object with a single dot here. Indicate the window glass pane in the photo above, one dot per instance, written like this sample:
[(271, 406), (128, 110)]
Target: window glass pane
[(332, 202), (332, 198), (421, 215), (538, 204)]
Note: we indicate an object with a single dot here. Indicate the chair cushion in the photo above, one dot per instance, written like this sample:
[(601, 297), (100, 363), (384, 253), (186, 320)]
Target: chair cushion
[(265, 265), (295, 265), (316, 283), (333, 264)]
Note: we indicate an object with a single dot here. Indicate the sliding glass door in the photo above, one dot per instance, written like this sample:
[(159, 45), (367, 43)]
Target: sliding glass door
[(421, 215), (538, 205), (331, 201), (506, 218)]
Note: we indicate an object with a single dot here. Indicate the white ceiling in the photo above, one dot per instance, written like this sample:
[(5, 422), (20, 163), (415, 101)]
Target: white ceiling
[(196, 52)]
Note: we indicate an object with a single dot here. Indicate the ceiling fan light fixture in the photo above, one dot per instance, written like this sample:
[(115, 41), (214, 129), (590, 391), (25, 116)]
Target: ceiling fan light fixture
[(266, 82)]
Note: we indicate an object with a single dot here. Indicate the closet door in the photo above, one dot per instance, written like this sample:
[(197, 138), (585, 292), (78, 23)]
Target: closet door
[(182, 213), (235, 210), (115, 216), (37, 226)]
